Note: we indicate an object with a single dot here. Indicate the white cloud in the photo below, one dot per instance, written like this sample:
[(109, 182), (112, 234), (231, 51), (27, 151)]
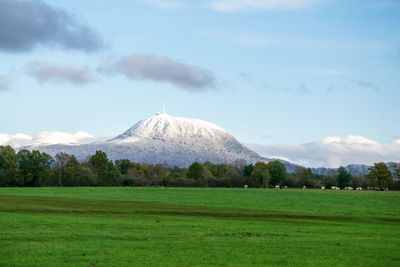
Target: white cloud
[(244, 5), (349, 140), (20, 140), (334, 151)]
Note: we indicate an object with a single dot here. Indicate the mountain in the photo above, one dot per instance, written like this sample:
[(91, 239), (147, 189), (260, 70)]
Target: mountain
[(353, 169), (169, 140)]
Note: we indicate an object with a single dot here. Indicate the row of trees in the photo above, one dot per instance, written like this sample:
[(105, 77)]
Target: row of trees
[(33, 168)]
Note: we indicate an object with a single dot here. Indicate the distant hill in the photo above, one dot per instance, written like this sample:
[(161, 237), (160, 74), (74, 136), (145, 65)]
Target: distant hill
[(353, 169)]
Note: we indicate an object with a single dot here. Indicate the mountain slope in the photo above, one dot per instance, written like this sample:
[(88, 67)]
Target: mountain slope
[(168, 140)]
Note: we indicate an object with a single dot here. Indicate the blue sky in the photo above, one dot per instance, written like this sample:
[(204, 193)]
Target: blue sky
[(271, 72)]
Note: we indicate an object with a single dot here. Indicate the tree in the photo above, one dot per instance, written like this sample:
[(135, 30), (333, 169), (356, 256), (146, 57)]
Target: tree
[(343, 178), (123, 165), (9, 173), (398, 173), (35, 167), (176, 172), (379, 175), (306, 178), (195, 171), (329, 181), (112, 177), (277, 171), (61, 160), (261, 174), (99, 163), (247, 170), (73, 174)]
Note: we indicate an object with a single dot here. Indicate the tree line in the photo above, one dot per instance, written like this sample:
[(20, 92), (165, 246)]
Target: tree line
[(34, 169)]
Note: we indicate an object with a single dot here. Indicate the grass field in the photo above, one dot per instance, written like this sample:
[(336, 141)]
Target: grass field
[(191, 227)]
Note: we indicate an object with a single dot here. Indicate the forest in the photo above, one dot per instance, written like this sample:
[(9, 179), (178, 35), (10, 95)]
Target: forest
[(25, 168)]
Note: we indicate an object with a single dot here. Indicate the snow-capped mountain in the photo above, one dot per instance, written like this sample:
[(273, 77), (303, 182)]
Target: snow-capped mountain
[(163, 126), (169, 140)]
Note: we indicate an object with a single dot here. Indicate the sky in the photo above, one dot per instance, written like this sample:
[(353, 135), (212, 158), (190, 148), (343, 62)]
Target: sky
[(315, 82)]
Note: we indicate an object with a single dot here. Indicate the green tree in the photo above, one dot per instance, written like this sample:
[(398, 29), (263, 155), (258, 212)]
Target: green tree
[(9, 173), (329, 181), (248, 169), (306, 178), (123, 165), (261, 174), (277, 171), (99, 164), (61, 159), (35, 167), (343, 178), (379, 175), (73, 173), (177, 172), (113, 175), (195, 171)]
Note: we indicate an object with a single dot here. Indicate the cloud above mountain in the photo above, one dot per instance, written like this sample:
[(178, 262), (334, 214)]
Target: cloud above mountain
[(20, 140), (27, 24), (334, 151), (141, 66), (74, 74)]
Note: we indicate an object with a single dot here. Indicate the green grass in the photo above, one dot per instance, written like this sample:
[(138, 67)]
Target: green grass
[(192, 227)]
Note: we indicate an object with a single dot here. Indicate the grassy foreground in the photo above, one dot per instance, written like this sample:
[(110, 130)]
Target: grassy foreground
[(191, 227)]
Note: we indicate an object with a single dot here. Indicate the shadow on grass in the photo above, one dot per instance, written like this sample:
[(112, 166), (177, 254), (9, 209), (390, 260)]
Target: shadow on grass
[(156, 210)]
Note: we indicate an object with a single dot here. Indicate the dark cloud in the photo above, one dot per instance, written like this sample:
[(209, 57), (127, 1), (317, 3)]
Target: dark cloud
[(74, 74), (368, 85), (26, 24), (162, 69), (3, 83)]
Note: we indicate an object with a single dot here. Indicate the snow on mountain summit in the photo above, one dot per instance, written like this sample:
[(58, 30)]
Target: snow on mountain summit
[(168, 140), (164, 126)]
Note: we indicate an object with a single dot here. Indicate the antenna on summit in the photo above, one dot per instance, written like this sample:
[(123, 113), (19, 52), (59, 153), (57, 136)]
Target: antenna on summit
[(163, 108)]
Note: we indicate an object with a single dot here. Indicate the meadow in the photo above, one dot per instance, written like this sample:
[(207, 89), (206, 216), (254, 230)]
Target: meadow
[(124, 226)]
